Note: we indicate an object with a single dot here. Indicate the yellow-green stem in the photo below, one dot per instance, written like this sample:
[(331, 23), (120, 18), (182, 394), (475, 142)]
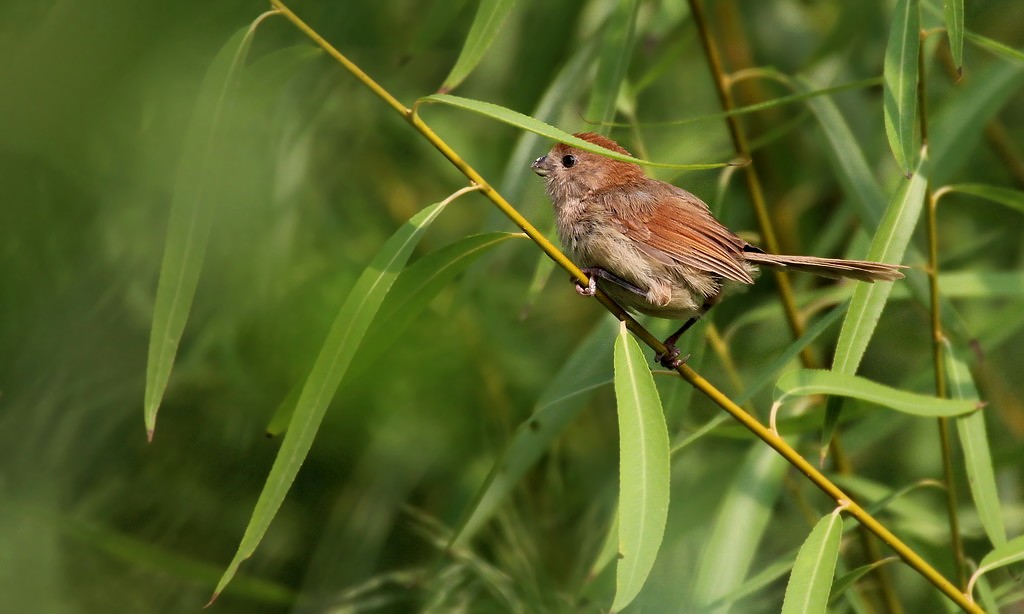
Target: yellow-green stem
[(937, 334), (691, 376)]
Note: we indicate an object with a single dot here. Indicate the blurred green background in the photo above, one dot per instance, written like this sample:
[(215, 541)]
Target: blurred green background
[(317, 173)]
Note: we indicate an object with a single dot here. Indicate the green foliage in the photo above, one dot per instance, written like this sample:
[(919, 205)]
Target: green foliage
[(190, 204)]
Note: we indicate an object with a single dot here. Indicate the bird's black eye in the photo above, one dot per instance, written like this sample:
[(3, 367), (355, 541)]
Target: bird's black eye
[(569, 161)]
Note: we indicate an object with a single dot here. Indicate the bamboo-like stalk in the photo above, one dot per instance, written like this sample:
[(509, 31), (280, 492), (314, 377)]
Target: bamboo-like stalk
[(932, 199), (762, 432), (753, 182)]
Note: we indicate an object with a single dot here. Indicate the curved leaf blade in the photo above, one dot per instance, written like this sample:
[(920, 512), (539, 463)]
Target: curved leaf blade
[(414, 289), (490, 17), (973, 437), (900, 81), (811, 580), (340, 346), (995, 47), (803, 382), (1013, 199), (530, 124), (643, 469), (191, 217), (1006, 554)]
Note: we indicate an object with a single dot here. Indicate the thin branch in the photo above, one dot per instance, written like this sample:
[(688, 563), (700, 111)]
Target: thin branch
[(691, 376)]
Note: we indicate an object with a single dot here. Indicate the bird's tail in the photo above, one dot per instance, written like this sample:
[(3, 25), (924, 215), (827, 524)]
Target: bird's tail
[(835, 268)]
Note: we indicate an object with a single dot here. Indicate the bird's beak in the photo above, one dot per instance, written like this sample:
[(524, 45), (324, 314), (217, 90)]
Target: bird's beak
[(541, 166)]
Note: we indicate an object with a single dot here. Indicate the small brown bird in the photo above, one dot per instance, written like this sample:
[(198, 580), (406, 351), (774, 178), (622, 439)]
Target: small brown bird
[(654, 247)]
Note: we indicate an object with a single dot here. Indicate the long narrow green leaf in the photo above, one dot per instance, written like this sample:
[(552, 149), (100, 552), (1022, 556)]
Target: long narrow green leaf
[(1008, 553), (739, 525), (490, 16), (643, 469), (958, 124), (900, 86), (954, 13), (525, 122), (888, 245), (584, 371), (977, 457), (803, 382), (811, 580), (192, 209), (344, 338), (412, 291), (850, 578), (995, 47), (1013, 199), (616, 49)]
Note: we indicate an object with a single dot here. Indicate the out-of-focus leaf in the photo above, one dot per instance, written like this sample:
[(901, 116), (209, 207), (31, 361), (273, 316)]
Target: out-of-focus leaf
[(954, 13), (900, 87), (848, 579), (1007, 553), (959, 122), (584, 371), (412, 291), (811, 579), (1013, 199), (974, 441), (616, 49), (766, 374), (525, 122), (995, 47), (192, 209), (803, 382), (643, 469), (490, 16), (748, 503), (346, 333)]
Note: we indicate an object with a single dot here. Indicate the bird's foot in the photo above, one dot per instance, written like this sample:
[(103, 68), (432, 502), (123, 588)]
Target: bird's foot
[(590, 288), (671, 358)]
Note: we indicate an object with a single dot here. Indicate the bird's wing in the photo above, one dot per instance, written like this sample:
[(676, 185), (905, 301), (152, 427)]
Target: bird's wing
[(675, 226)]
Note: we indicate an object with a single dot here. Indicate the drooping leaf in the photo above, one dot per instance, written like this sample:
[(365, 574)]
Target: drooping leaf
[(995, 47), (192, 209), (977, 456), (490, 16), (643, 469), (340, 346), (900, 85), (414, 289), (803, 382), (811, 579)]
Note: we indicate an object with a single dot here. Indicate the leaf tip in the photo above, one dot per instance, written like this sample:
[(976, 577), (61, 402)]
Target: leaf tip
[(213, 598), (739, 163), (444, 89), (149, 435)]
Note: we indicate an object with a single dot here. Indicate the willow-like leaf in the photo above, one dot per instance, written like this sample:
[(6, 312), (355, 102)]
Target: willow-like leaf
[(490, 16), (340, 346), (643, 469), (900, 82), (811, 579)]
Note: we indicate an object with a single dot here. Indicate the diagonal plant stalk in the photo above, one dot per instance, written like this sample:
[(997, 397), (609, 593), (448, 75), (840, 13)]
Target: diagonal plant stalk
[(692, 377), (932, 199), (767, 229)]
